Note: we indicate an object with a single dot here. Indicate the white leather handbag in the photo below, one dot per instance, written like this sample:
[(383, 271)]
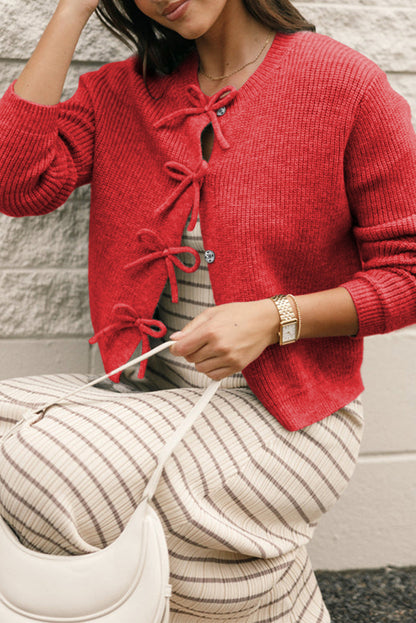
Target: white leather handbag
[(126, 582)]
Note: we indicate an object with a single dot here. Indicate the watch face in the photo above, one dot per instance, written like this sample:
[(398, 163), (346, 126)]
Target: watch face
[(289, 332)]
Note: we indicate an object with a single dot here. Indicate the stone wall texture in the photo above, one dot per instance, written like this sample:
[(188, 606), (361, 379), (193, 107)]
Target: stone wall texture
[(44, 296)]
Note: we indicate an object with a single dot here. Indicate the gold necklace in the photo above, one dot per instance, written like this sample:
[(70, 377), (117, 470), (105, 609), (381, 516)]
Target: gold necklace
[(240, 68)]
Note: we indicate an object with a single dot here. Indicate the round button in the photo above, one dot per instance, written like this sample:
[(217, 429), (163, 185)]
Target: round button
[(209, 256), (221, 111)]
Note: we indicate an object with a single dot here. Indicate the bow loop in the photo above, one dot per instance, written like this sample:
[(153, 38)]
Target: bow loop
[(181, 172), (151, 327), (159, 250), (196, 97), (172, 253), (177, 170), (125, 313), (222, 98), (126, 317)]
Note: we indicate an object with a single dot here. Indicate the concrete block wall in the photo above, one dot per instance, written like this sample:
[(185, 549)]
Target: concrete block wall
[(44, 298)]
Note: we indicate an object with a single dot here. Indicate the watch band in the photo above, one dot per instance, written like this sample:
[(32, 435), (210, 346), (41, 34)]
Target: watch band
[(289, 324), (294, 301)]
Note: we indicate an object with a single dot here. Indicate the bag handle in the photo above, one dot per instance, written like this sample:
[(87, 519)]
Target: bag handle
[(177, 436), (41, 411), (172, 442)]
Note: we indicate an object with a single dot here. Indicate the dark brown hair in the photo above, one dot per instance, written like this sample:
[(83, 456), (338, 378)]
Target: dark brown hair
[(161, 50)]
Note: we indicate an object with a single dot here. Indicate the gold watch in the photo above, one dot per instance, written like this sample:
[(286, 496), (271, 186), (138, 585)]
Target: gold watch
[(289, 324)]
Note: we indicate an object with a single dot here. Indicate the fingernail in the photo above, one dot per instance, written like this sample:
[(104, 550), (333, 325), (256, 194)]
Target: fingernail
[(176, 335)]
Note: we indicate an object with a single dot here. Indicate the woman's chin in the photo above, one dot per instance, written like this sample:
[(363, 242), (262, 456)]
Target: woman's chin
[(191, 32), (188, 27)]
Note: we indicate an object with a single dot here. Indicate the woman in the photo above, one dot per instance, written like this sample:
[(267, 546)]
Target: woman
[(280, 167)]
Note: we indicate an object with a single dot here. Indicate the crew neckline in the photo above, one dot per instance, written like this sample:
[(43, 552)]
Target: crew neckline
[(280, 46)]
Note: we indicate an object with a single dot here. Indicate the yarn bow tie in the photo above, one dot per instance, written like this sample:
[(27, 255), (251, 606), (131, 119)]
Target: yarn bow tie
[(125, 318), (200, 105), (159, 251)]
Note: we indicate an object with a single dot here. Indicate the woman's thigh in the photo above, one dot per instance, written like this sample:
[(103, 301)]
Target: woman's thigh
[(242, 498), (238, 499), (69, 483)]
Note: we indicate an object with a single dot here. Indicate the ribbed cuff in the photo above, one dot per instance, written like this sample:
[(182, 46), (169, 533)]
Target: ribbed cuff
[(371, 315)]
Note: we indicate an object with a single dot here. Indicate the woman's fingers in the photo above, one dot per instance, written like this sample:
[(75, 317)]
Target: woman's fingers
[(225, 339), (214, 370), (191, 338)]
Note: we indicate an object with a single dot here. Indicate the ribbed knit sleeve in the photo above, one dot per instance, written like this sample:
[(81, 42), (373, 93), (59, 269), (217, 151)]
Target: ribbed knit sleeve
[(380, 177), (45, 151)]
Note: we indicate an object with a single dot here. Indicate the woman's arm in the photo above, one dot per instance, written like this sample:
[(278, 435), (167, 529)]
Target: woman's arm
[(42, 79), (330, 313), (46, 147), (225, 339), (380, 179)]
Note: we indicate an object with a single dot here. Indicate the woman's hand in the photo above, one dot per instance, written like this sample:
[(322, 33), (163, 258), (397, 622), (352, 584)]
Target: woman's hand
[(225, 339)]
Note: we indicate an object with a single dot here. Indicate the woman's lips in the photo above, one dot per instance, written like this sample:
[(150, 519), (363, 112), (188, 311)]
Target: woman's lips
[(175, 10)]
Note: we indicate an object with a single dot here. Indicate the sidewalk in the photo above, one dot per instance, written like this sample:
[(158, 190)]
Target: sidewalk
[(370, 596)]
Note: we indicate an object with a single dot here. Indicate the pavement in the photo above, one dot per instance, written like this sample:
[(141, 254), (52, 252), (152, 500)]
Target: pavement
[(385, 595)]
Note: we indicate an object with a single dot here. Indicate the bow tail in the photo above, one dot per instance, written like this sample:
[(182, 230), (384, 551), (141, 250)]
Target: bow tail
[(168, 203), (195, 207), (172, 278), (149, 328), (217, 130), (143, 364)]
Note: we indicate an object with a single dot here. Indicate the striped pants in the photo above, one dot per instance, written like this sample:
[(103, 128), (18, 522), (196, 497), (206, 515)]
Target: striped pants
[(239, 498)]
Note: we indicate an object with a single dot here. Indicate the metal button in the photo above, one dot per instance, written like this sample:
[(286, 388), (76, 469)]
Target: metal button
[(209, 256), (221, 111)]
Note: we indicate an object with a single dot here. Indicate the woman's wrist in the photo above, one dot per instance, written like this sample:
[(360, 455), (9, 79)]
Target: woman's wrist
[(270, 320), (329, 313), (287, 313), (81, 11)]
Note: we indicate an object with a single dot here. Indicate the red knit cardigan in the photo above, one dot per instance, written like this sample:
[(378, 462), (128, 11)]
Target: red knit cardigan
[(311, 185)]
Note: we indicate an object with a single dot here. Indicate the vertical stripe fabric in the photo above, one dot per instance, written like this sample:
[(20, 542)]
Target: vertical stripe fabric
[(239, 498)]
